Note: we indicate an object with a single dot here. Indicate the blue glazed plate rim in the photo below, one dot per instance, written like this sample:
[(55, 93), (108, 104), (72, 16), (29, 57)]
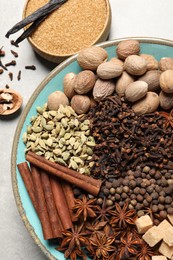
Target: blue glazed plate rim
[(51, 75)]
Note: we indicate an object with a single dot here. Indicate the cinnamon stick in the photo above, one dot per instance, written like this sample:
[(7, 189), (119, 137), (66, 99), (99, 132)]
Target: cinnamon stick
[(42, 209), (69, 195), (61, 204), (87, 183), (27, 179), (53, 215)]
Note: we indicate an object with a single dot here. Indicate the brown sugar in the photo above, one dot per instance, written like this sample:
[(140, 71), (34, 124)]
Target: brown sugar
[(75, 25)]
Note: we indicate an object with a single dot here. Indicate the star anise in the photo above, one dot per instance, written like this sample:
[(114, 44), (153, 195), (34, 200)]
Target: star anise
[(129, 246), (103, 213), (145, 252), (84, 208), (95, 227), (122, 216), (101, 246), (77, 253), (73, 239), (168, 118)]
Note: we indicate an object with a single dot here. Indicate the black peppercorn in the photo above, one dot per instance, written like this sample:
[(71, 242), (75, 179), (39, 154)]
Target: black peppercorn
[(168, 199), (170, 210), (163, 214), (139, 198), (106, 191)]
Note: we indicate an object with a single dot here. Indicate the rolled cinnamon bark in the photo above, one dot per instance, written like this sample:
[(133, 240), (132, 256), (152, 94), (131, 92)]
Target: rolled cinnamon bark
[(87, 183), (27, 179), (69, 195), (41, 202), (61, 204), (51, 207)]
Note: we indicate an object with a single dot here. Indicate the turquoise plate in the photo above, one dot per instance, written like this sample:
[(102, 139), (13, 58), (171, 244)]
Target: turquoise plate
[(156, 47)]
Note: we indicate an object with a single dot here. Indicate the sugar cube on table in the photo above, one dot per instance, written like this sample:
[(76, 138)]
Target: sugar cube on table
[(143, 224), (152, 236), (166, 250), (166, 229), (159, 257)]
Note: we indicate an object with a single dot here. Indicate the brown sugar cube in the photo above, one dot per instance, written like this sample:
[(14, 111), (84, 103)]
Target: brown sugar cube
[(143, 224), (166, 250), (159, 257), (170, 217), (166, 230), (152, 236)]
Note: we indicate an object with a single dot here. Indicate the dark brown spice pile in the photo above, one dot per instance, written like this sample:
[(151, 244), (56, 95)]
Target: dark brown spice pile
[(133, 157)]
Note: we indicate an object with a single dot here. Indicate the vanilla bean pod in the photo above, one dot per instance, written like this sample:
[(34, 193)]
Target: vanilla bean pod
[(38, 14)]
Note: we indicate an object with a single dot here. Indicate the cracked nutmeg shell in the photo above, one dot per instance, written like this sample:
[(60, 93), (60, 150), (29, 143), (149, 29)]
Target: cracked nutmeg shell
[(10, 101)]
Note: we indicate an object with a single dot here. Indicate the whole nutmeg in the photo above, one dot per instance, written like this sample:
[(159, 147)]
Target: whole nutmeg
[(136, 91), (56, 99), (152, 78), (117, 61), (109, 70), (90, 58), (166, 100), (152, 63), (166, 63), (68, 84), (103, 89), (122, 82), (135, 65), (84, 81), (126, 48), (148, 104), (80, 103), (166, 81)]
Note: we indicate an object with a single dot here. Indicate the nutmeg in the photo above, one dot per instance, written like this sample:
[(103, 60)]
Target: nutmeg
[(135, 65), (109, 70), (152, 63), (166, 100), (166, 81), (84, 81), (152, 78), (103, 89), (148, 104), (122, 82), (126, 48), (68, 84), (10, 101), (80, 103), (117, 61), (55, 99), (166, 63), (90, 58), (136, 91)]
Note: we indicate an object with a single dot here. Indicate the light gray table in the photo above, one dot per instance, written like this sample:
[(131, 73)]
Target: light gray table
[(129, 18)]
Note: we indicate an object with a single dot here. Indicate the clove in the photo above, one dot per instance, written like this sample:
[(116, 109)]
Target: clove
[(14, 53), (19, 75), (32, 67), (10, 74), (11, 63)]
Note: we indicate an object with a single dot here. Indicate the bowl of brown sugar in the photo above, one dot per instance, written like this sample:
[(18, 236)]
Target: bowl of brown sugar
[(75, 25)]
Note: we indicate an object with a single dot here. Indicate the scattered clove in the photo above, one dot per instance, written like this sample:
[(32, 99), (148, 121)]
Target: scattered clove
[(19, 75), (14, 43), (7, 86), (11, 63), (10, 74), (1, 71), (2, 53), (32, 67), (14, 53)]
